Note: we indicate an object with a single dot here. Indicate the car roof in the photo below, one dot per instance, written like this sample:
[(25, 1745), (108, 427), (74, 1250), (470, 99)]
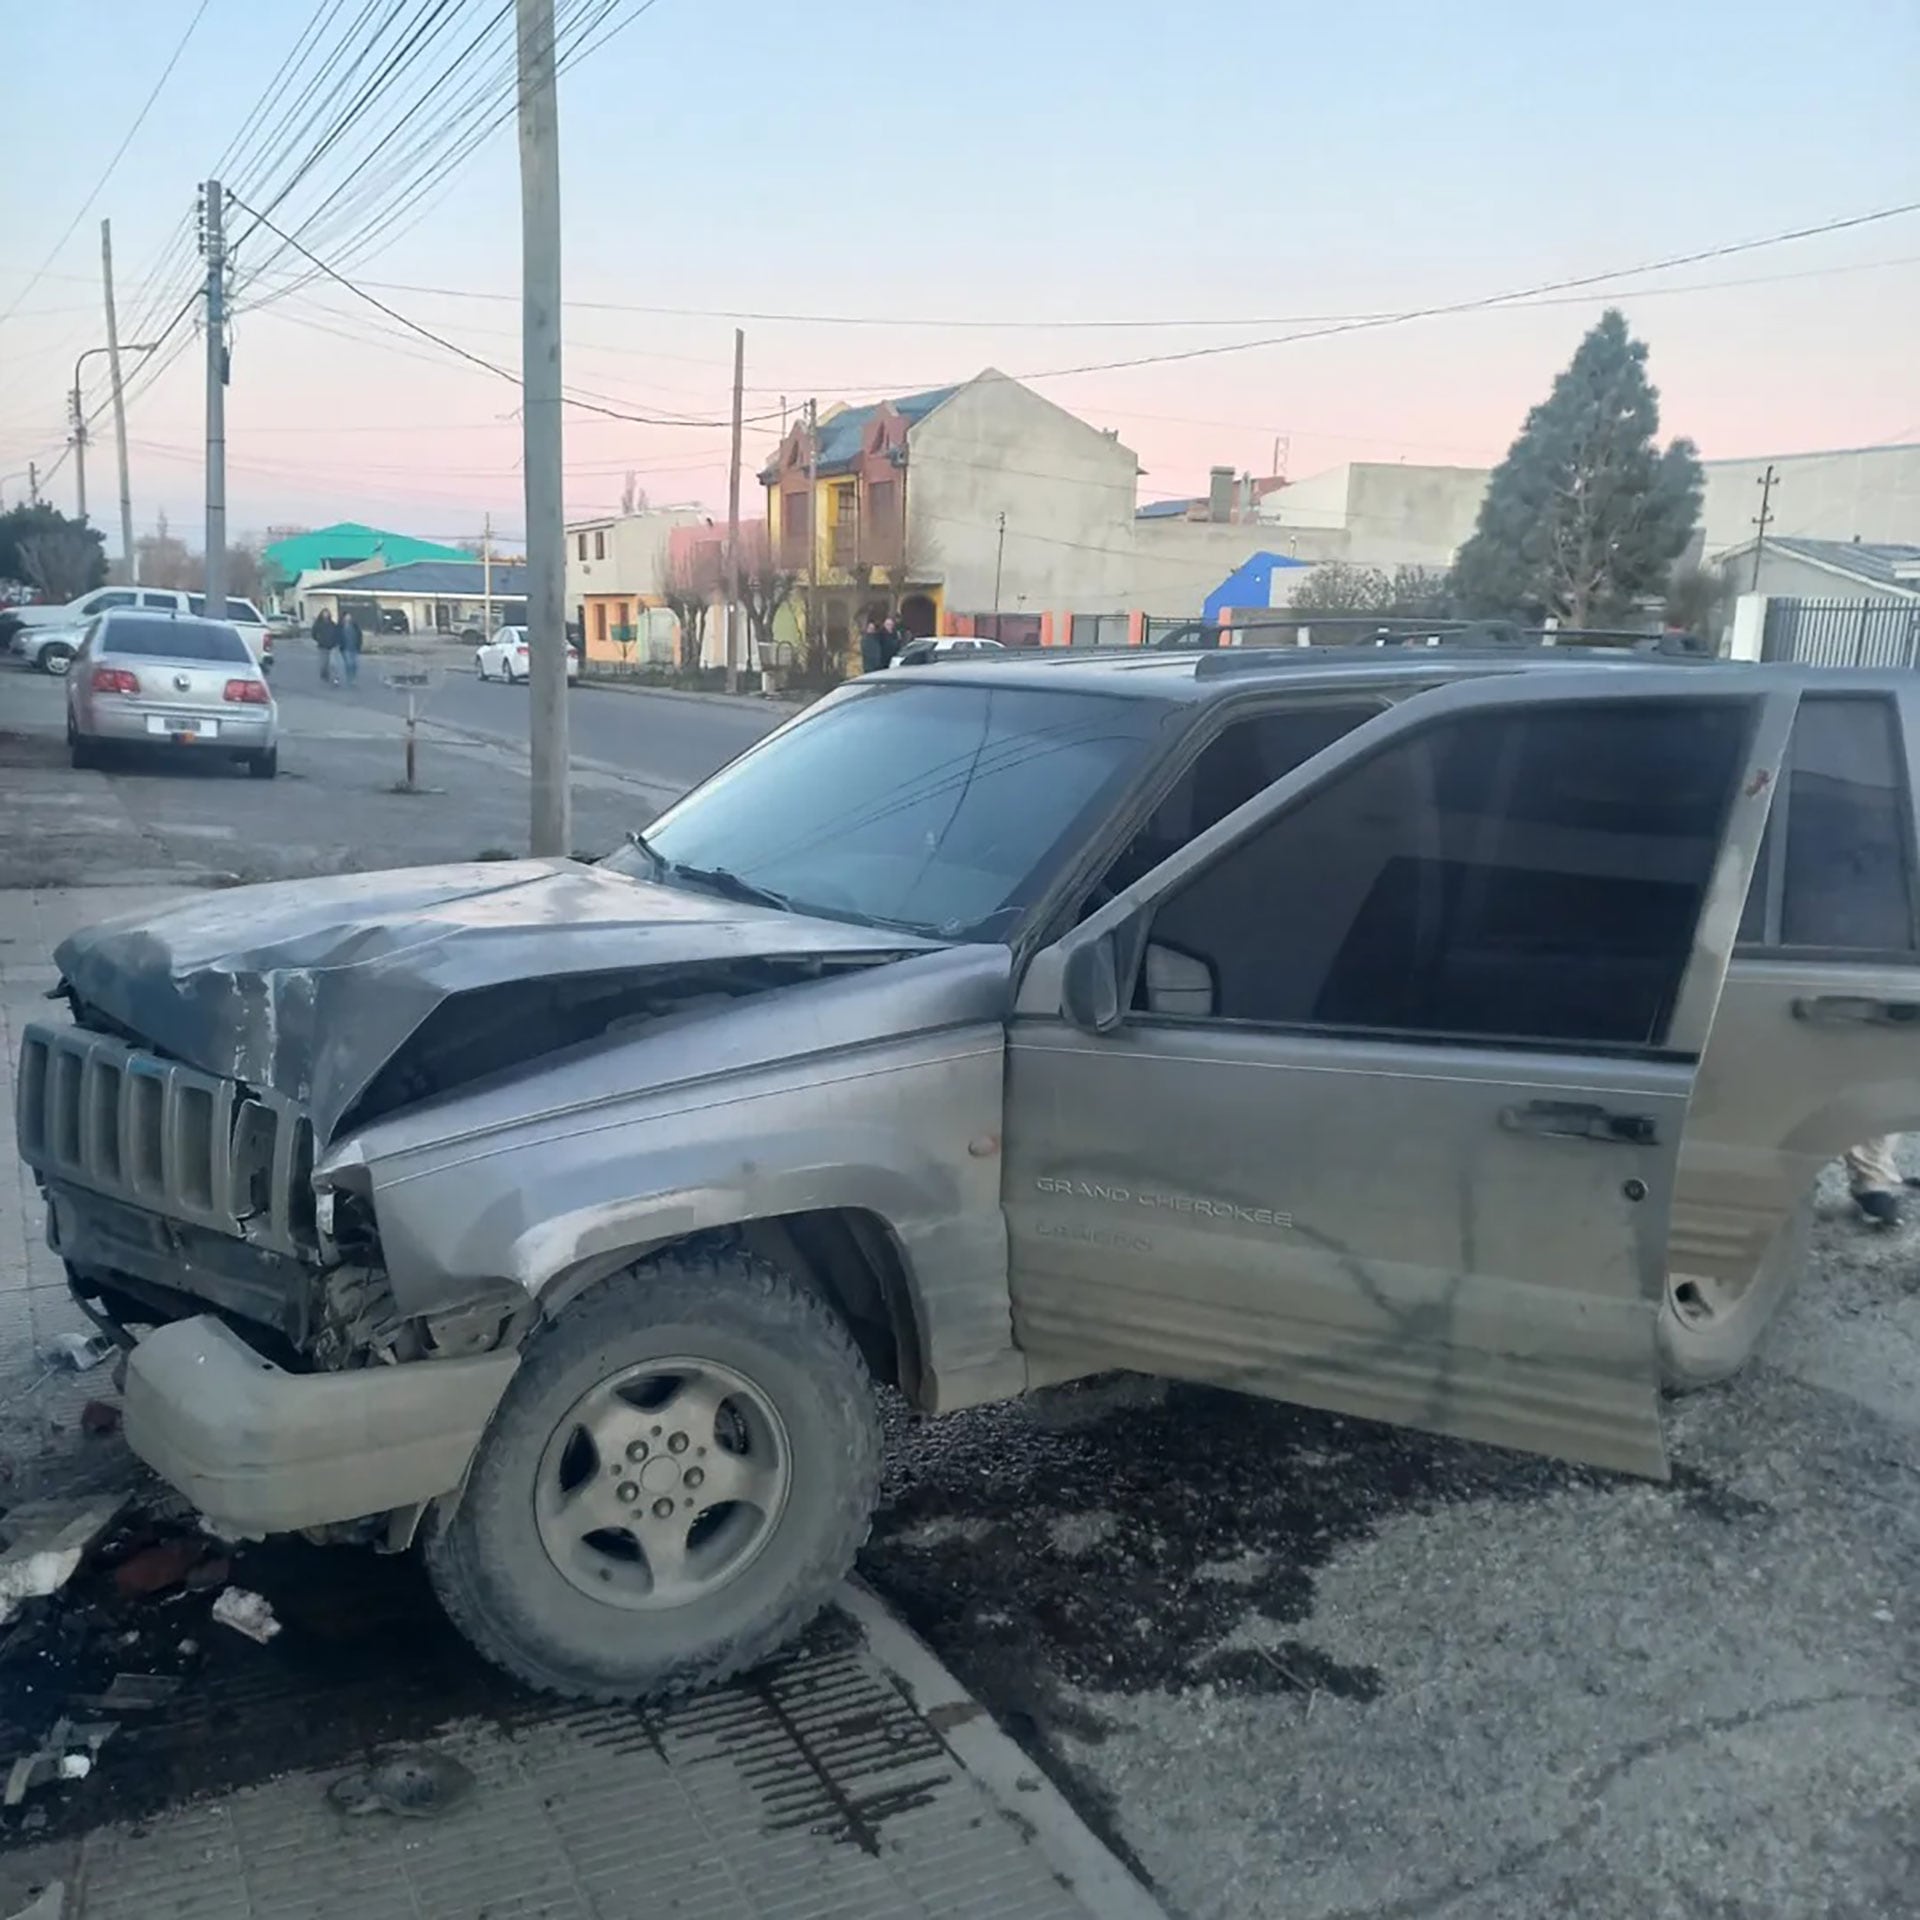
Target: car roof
[(1192, 677)]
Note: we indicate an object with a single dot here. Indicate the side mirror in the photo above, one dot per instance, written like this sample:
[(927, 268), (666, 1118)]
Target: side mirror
[(1178, 984), (1090, 986)]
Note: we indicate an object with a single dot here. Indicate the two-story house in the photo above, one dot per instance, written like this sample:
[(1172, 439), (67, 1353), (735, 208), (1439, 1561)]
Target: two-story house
[(977, 498)]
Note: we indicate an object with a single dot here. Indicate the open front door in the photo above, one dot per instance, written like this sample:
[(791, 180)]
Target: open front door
[(1371, 1097)]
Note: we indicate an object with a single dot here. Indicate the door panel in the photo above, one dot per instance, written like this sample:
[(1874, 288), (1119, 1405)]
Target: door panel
[(1403, 1173)]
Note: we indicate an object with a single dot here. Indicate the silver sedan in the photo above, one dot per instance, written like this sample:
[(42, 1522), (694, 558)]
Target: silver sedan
[(174, 682)]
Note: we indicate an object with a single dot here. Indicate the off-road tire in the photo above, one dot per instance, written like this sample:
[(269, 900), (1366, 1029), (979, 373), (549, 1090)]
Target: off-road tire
[(1693, 1355), (482, 1547)]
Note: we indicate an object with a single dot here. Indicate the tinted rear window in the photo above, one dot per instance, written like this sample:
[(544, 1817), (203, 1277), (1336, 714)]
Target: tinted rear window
[(173, 640)]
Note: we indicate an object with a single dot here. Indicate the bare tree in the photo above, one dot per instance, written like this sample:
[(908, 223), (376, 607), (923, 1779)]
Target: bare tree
[(690, 579), (765, 587)]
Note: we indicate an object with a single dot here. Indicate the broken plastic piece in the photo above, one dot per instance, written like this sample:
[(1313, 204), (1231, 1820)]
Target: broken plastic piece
[(75, 1766), (80, 1351), (418, 1785), (246, 1613), (49, 1540)]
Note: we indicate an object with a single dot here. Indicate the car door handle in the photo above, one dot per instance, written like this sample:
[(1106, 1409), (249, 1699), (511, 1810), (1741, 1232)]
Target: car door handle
[(1850, 1010), (1580, 1120)]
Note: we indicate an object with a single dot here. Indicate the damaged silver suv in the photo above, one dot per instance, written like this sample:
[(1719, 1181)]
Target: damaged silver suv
[(1446, 1037)]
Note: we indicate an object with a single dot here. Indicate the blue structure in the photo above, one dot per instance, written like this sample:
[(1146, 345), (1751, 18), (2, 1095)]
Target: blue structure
[(1249, 585)]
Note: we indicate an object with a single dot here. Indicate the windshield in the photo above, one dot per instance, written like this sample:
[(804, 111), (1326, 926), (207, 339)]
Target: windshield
[(944, 809)]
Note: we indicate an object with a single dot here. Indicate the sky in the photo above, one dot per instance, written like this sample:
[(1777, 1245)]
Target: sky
[(902, 194)]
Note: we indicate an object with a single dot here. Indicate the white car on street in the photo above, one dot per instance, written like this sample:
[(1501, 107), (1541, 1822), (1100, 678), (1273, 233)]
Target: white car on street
[(952, 646), (505, 657)]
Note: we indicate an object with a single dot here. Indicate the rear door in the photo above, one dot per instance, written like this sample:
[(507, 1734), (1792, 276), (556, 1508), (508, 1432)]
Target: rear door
[(1817, 1046), (1386, 1115)]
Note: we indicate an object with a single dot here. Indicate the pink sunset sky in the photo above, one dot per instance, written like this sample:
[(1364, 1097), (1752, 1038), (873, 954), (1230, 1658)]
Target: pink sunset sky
[(953, 187)]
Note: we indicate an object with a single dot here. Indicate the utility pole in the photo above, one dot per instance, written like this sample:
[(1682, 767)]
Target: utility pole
[(552, 824), (999, 554), (79, 444), (486, 576), (129, 554), (816, 640), (1766, 484), (733, 515), (213, 245), (33, 484)]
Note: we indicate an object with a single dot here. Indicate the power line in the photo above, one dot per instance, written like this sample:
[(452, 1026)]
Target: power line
[(139, 120)]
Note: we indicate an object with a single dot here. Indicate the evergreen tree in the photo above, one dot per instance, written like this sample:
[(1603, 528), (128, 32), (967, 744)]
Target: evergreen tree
[(1586, 515)]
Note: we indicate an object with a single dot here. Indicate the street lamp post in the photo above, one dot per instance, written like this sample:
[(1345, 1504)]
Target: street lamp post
[(80, 425)]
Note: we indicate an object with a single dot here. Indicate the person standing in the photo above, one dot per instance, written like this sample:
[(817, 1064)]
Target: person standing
[(891, 639), (350, 646), (873, 651), (326, 636), (1874, 1180)]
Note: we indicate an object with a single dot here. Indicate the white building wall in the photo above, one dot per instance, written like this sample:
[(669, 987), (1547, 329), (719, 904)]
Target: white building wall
[(1871, 494), (1392, 514), (1177, 563), (1066, 488), (635, 558)]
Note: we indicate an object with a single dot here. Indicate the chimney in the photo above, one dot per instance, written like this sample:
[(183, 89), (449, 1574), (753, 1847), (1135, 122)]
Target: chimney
[(1219, 494)]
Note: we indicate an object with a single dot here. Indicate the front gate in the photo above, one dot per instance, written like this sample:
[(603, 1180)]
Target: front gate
[(1843, 633)]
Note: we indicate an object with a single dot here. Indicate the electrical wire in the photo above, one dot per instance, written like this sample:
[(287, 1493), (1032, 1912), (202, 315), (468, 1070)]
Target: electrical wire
[(119, 153)]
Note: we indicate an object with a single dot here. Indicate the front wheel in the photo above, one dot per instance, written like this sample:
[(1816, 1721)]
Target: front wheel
[(56, 659), (676, 1482)]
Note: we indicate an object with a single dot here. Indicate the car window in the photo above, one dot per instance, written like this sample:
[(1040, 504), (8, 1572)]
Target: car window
[(1246, 757), (1529, 874), (100, 602), (169, 601), (1844, 880), (146, 638), (921, 802)]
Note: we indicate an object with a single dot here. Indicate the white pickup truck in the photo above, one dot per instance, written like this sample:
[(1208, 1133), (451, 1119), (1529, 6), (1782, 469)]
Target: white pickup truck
[(48, 637)]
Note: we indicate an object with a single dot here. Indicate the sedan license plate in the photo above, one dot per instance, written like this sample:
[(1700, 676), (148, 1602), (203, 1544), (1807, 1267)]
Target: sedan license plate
[(181, 729)]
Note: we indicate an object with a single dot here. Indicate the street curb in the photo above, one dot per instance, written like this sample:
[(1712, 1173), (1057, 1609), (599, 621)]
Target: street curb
[(778, 703), (1017, 1787)]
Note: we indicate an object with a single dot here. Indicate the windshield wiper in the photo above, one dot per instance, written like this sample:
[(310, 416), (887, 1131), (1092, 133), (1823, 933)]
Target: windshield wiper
[(723, 881), (639, 841)]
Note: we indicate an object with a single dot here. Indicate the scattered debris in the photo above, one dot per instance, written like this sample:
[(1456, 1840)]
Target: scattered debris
[(61, 1757), (100, 1417), (133, 1693), (47, 1540), (418, 1785), (75, 1766), (246, 1613), (209, 1574), (80, 1351), (167, 1563)]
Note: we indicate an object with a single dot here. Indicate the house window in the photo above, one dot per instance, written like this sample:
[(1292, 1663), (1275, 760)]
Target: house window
[(599, 545), (581, 543)]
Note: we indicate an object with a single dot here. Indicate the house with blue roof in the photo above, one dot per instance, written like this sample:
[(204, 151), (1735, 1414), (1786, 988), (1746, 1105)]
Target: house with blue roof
[(983, 498)]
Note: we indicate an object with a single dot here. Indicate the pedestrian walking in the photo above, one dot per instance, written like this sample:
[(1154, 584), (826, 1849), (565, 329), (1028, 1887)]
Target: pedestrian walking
[(873, 648), (326, 636), (350, 647), (1874, 1180)]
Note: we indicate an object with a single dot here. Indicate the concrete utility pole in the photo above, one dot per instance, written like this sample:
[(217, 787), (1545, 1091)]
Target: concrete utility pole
[(213, 244), (816, 641), (486, 577), (999, 555), (129, 553), (1766, 483), (33, 484), (79, 443), (552, 825), (733, 516)]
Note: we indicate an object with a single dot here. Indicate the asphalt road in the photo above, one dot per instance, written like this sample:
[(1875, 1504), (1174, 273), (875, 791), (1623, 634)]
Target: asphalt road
[(666, 740)]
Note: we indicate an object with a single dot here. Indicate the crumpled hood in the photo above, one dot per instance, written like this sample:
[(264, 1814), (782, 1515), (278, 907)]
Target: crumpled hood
[(309, 986)]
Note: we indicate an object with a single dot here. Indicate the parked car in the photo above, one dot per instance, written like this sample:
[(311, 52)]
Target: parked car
[(76, 613), (49, 649), (170, 681), (935, 648), (506, 657), (1450, 1037)]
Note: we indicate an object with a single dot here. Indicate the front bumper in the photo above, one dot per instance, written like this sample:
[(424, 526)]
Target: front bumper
[(259, 1450)]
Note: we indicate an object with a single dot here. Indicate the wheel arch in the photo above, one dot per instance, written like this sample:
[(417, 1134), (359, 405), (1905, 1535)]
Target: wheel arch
[(850, 1256)]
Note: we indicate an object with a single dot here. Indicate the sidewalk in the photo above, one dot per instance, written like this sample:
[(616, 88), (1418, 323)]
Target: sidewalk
[(853, 1778)]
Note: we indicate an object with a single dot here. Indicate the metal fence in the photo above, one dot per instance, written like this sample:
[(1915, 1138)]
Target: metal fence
[(1843, 633)]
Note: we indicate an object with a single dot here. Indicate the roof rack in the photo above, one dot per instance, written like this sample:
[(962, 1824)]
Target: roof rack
[(1489, 639)]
